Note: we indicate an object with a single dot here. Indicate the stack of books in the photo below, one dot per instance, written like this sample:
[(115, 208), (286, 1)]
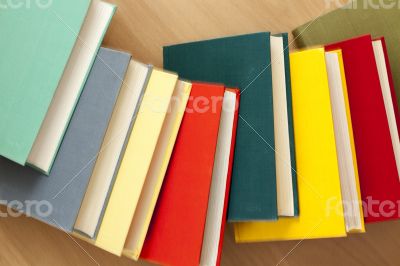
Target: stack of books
[(150, 164)]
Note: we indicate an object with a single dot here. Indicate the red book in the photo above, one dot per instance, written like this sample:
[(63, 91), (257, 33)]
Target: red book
[(176, 231), (379, 179), (228, 184), (221, 180), (391, 83)]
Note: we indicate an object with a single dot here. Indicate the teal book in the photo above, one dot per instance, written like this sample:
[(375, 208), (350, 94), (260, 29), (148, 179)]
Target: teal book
[(35, 48), (240, 62), (56, 199), (290, 123), (69, 89)]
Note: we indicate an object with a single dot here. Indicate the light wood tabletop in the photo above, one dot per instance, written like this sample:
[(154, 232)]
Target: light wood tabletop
[(142, 27)]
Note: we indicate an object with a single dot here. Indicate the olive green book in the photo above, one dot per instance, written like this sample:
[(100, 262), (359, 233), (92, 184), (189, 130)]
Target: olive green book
[(36, 45), (357, 18)]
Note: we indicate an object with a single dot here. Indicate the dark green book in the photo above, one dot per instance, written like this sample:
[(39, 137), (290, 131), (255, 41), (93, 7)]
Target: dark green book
[(240, 62), (290, 122), (357, 18)]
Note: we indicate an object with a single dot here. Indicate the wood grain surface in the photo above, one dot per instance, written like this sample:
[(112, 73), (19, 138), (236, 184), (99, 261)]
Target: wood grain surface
[(142, 27)]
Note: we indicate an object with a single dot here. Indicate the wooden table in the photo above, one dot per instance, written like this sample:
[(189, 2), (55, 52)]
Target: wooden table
[(142, 27)]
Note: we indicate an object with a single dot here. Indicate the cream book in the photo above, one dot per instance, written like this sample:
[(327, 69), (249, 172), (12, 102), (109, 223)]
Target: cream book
[(112, 149), (350, 185), (159, 164), (136, 162), (51, 133)]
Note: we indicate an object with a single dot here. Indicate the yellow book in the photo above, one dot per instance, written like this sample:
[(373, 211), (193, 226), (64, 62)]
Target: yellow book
[(136, 162), (152, 186), (83, 237), (321, 209), (352, 206), (118, 131), (353, 147)]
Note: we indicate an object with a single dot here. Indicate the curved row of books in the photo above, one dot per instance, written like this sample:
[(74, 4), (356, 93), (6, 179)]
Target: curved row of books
[(150, 164)]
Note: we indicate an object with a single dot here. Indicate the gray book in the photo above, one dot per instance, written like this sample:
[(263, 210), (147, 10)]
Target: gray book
[(150, 68), (56, 199), (113, 149)]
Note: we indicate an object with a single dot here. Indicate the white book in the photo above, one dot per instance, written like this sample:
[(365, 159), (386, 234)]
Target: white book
[(112, 149), (57, 118)]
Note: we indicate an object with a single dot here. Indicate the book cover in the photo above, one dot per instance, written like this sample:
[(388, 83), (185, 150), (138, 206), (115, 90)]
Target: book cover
[(371, 129), (353, 20), (70, 87), (321, 210), (114, 144), (159, 164), (240, 62), (56, 199), (37, 48), (221, 180), (136, 162), (176, 231)]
